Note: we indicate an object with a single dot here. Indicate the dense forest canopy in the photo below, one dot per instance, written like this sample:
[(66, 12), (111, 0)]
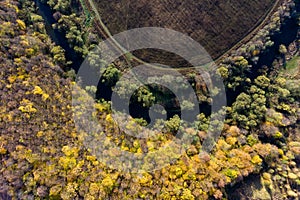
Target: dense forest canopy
[(43, 154)]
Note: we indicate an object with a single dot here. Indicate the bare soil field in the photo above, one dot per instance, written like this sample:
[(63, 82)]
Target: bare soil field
[(217, 25)]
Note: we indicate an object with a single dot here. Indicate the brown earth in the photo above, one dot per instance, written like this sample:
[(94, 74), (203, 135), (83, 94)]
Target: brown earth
[(216, 25)]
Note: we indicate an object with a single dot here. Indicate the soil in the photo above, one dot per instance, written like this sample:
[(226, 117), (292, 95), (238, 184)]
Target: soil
[(217, 25)]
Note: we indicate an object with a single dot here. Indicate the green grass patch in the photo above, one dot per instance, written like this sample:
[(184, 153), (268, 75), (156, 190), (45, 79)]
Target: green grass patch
[(291, 67), (293, 63)]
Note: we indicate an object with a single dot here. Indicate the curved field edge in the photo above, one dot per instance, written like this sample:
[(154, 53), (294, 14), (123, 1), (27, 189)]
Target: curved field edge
[(104, 31)]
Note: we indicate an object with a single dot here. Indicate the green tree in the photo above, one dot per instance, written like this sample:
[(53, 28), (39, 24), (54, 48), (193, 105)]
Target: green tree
[(59, 55), (283, 51), (145, 96), (111, 75), (173, 124), (262, 82), (249, 109), (223, 71)]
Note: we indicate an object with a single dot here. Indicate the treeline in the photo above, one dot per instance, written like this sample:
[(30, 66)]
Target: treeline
[(75, 24)]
